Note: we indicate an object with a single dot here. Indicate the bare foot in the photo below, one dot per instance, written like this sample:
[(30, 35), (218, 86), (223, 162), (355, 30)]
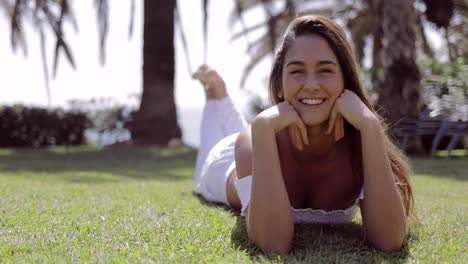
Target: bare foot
[(212, 82)]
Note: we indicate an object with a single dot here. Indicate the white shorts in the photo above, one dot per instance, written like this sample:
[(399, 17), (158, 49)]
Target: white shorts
[(219, 164)]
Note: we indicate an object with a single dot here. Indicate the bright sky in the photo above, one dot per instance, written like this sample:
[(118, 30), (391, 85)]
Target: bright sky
[(23, 80), (121, 76)]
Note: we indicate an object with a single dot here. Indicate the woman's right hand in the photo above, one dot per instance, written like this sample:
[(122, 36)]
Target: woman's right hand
[(284, 115)]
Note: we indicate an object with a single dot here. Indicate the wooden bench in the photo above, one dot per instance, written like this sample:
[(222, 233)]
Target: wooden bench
[(457, 131), (410, 127)]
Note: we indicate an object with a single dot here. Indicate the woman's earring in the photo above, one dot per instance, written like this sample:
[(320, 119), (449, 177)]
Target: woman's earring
[(280, 96)]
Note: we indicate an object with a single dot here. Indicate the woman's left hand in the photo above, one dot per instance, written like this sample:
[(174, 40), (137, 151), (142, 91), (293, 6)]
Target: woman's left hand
[(335, 124), (350, 107)]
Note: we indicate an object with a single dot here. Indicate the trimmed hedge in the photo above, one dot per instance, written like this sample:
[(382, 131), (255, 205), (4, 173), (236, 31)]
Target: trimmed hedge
[(22, 126)]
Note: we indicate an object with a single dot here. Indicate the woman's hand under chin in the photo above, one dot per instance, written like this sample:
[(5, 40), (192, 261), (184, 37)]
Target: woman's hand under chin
[(350, 107), (283, 115)]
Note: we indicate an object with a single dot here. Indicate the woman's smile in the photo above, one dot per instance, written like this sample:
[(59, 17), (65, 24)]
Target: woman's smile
[(312, 101)]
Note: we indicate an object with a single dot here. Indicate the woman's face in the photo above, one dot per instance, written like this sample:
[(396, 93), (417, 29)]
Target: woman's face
[(311, 78)]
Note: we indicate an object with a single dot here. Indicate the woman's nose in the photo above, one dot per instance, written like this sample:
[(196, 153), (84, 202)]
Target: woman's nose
[(311, 82)]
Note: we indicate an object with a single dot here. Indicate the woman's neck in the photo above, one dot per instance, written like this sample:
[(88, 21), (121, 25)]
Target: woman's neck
[(321, 146)]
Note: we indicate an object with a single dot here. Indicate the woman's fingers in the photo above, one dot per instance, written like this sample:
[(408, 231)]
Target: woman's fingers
[(302, 131), (287, 116), (336, 122), (299, 125), (293, 135), (342, 127), (336, 129), (300, 145), (339, 127), (331, 120)]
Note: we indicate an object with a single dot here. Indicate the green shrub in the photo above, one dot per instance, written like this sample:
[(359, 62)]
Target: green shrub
[(22, 126)]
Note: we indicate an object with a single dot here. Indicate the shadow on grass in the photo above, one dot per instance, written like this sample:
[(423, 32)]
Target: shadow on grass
[(455, 168), (316, 243), (86, 165), (204, 202), (321, 243)]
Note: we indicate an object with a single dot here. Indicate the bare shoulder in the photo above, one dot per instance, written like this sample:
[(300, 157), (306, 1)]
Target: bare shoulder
[(243, 153)]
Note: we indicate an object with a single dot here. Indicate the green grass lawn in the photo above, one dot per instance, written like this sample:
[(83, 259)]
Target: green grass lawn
[(136, 205)]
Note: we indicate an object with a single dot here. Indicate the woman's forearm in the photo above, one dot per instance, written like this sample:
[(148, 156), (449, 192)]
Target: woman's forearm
[(269, 221), (382, 208)]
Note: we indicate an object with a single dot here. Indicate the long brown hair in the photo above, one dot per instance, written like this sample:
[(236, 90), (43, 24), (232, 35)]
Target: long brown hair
[(336, 38)]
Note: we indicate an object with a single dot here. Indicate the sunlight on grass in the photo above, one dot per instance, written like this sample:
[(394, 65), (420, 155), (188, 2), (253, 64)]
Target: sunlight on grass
[(454, 153), (5, 152), (136, 205), (67, 150)]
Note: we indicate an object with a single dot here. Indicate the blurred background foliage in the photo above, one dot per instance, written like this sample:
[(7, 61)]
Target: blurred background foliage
[(446, 88), (400, 69), (109, 119), (363, 21)]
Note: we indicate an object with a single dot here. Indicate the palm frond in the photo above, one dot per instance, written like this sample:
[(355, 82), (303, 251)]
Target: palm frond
[(65, 13), (277, 20), (247, 30), (56, 25), (458, 31), (422, 36), (72, 18), (261, 43), (329, 11), (255, 59), (267, 41), (237, 14), (103, 27), (132, 19), (205, 30), (361, 27), (439, 12), (7, 7), (17, 34), (179, 25), (242, 7), (44, 63), (461, 7)]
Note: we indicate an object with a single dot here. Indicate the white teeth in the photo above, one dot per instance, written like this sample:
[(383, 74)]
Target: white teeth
[(312, 101)]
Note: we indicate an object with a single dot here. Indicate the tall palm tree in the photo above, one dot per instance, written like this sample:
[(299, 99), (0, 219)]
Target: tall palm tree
[(400, 94), (155, 122)]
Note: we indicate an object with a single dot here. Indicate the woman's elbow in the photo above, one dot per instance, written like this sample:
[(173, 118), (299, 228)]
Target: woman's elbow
[(277, 246), (390, 239), (389, 245), (270, 241)]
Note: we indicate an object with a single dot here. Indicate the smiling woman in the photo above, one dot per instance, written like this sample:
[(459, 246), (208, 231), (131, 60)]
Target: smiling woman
[(288, 167)]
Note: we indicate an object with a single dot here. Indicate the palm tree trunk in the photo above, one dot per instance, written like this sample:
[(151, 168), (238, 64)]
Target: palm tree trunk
[(156, 120), (400, 95)]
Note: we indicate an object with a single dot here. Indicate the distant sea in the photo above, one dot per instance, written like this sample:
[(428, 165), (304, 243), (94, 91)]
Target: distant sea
[(189, 121)]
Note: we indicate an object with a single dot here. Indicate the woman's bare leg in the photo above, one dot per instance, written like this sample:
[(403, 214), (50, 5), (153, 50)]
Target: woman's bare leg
[(212, 83), (220, 117)]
